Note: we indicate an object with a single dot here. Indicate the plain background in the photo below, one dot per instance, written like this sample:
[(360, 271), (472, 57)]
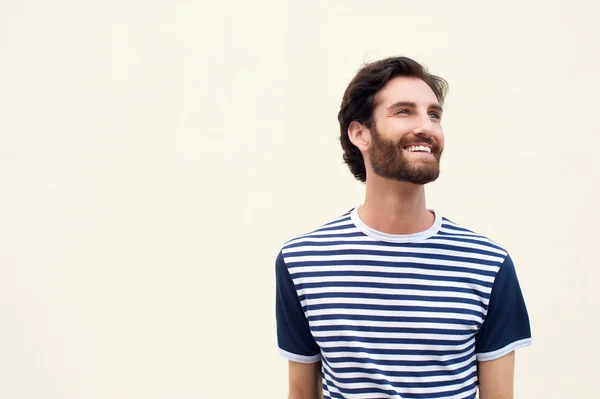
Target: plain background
[(155, 155)]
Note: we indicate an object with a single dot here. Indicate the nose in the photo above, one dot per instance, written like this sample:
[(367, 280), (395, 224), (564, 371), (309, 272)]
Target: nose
[(424, 127)]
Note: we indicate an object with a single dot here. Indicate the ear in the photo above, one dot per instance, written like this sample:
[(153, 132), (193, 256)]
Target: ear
[(359, 135)]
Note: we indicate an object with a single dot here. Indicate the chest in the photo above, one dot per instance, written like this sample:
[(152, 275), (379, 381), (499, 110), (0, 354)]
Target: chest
[(402, 305)]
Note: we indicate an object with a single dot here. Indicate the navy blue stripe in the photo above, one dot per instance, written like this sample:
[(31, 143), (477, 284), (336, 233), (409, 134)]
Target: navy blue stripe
[(402, 341), (420, 352), (434, 384), (398, 308), (343, 218), (446, 247), (470, 239), (374, 390), (415, 287), (400, 267), (399, 275), (411, 330), (395, 297), (452, 226), (335, 395), (457, 234), (335, 228), (399, 255), (445, 394), (415, 363), (374, 351), (399, 319), (387, 373)]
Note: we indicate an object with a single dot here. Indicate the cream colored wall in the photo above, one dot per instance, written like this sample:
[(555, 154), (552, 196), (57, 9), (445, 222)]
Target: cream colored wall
[(155, 155)]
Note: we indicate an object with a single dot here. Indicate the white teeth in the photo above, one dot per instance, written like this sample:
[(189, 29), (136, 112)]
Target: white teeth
[(416, 148)]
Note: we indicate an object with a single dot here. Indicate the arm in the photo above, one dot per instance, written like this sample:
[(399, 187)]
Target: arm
[(295, 340), (496, 377), (305, 380), (505, 329)]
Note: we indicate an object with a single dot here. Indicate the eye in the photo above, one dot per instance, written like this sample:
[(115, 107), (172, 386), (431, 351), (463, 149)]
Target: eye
[(401, 112), (435, 115)]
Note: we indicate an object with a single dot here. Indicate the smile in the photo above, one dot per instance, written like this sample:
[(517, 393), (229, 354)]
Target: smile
[(418, 148)]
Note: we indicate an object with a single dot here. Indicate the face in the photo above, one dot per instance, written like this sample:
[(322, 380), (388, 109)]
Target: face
[(407, 140)]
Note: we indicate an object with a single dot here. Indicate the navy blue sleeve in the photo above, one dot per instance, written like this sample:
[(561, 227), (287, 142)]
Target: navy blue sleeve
[(506, 325), (294, 338)]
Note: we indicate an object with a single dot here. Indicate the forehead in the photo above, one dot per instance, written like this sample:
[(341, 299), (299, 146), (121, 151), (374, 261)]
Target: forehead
[(405, 89)]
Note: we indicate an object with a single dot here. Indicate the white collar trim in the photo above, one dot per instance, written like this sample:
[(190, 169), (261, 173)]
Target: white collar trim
[(398, 238)]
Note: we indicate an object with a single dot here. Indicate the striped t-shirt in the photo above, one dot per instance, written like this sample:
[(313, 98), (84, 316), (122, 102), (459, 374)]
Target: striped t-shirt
[(397, 316)]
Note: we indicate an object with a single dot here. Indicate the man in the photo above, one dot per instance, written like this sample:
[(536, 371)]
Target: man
[(392, 299)]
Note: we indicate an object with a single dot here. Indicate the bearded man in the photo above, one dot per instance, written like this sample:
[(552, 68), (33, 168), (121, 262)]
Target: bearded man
[(391, 299)]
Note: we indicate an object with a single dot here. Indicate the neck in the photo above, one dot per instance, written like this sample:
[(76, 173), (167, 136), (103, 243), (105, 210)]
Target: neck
[(394, 207)]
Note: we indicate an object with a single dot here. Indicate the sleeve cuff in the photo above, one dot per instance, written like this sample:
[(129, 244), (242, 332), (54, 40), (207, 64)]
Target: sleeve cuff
[(299, 358), (485, 356)]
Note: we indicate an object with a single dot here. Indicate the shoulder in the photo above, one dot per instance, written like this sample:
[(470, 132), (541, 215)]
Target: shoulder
[(493, 256), (470, 239), (340, 227)]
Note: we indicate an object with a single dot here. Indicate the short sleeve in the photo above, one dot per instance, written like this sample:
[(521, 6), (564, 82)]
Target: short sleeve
[(294, 338), (506, 325)]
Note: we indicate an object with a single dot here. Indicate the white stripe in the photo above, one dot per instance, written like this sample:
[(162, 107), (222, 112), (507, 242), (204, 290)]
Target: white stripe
[(466, 394), (290, 260), (463, 395), (390, 291), (402, 379), (392, 324), (486, 356), (345, 221), (332, 233), (483, 241), (398, 250), (391, 335), (390, 280), (484, 246), (332, 388), (373, 345), (465, 235), (418, 390), (446, 229), (384, 367), (326, 239), (340, 219), (299, 358), (390, 302), (383, 356), (333, 385), (390, 269), (393, 313)]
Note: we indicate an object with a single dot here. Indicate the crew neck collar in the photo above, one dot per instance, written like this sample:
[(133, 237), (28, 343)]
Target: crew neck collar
[(396, 238)]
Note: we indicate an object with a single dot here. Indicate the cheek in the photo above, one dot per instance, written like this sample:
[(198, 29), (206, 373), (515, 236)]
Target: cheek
[(399, 129), (439, 134)]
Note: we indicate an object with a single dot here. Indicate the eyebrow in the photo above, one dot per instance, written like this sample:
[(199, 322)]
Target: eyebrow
[(413, 105)]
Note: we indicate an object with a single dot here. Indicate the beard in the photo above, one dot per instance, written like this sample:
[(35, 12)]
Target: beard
[(389, 160)]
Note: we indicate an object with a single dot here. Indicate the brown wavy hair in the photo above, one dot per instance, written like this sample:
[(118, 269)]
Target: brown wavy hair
[(358, 101)]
